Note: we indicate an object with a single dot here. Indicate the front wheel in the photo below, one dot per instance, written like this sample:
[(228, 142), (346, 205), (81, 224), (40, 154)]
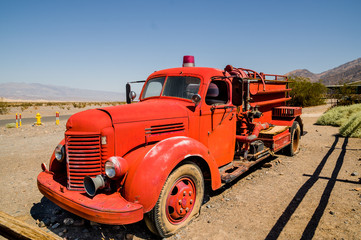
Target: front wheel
[(294, 146), (179, 200)]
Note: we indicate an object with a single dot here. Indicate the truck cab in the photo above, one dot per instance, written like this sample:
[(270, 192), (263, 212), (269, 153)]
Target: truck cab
[(192, 127)]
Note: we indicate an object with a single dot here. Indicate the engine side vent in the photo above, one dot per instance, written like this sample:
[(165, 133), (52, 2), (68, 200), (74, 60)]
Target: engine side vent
[(167, 128), (83, 159)]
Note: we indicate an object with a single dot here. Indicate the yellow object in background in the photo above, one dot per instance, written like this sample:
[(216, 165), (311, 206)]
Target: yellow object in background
[(57, 118), (19, 119), (38, 119), (16, 124)]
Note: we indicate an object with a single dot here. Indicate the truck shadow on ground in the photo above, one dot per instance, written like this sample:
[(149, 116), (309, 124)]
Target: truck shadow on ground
[(311, 227), (67, 225)]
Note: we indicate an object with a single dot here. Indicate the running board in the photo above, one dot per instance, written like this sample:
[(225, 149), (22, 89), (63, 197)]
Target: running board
[(236, 168)]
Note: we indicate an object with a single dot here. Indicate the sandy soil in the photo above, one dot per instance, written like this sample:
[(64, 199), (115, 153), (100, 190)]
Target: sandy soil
[(316, 194)]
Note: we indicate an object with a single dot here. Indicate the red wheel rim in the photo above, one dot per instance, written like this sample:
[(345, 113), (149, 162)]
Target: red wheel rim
[(180, 200)]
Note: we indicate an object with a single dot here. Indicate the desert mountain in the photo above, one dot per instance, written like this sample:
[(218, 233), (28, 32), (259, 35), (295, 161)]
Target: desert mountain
[(348, 72), (36, 91)]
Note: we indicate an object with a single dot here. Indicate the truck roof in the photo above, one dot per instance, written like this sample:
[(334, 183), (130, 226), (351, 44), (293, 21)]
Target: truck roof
[(204, 71)]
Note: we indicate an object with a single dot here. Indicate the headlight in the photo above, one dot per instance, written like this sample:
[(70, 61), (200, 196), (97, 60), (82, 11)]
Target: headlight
[(115, 167), (60, 153), (110, 169)]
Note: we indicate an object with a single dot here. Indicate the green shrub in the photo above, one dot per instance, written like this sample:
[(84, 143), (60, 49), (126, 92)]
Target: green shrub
[(10, 125), (348, 118), (304, 93), (352, 128), (338, 116)]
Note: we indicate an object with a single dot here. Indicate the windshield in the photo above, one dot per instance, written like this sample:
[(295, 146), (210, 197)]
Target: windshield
[(154, 87), (175, 86)]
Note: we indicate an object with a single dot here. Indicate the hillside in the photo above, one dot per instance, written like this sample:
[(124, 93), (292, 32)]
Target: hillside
[(348, 72), (36, 91)]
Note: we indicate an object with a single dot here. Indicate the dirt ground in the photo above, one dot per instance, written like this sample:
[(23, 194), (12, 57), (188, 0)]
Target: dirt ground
[(315, 194)]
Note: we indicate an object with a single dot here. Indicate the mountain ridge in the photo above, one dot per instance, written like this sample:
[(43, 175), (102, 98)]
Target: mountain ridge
[(36, 91), (345, 73)]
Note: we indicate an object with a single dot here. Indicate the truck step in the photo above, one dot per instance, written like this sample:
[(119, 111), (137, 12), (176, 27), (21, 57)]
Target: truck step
[(236, 168), (231, 174)]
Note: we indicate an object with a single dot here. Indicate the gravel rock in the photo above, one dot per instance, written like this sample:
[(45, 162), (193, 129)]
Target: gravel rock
[(267, 165), (68, 221), (354, 174), (119, 236), (116, 227), (129, 236), (56, 225), (41, 224), (332, 212), (79, 223), (47, 221), (57, 211), (94, 224)]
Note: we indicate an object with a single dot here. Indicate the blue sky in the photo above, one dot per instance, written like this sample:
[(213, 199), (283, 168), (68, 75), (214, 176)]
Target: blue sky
[(101, 45)]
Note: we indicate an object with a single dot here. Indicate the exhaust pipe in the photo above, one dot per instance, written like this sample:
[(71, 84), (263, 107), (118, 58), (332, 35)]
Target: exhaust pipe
[(91, 185)]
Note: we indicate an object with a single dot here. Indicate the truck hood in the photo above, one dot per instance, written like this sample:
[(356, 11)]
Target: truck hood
[(92, 120), (147, 111)]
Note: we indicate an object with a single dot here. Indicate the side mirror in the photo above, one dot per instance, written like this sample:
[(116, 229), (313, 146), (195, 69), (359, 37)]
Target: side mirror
[(196, 99), (130, 95)]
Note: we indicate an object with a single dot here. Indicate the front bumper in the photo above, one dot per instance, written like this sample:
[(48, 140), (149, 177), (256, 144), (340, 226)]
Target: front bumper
[(102, 208)]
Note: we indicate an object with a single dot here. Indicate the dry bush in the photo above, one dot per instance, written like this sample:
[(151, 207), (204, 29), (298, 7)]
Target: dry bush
[(348, 118), (4, 107), (352, 128)]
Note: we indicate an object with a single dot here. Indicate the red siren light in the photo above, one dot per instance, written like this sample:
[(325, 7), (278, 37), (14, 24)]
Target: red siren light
[(188, 61)]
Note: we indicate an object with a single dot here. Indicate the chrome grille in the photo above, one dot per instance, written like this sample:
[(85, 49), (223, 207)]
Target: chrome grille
[(83, 159)]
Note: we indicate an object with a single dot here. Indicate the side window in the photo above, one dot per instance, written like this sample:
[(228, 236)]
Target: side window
[(154, 87), (217, 93)]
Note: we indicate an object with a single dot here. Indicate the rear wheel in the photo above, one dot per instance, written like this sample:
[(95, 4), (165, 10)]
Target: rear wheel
[(294, 147), (179, 200)]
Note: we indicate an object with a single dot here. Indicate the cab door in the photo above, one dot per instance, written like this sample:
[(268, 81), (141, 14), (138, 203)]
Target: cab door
[(218, 122)]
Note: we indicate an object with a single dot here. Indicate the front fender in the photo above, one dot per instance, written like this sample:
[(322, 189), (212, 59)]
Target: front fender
[(145, 181)]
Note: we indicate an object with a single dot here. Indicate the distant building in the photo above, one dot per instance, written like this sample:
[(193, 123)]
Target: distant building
[(355, 86)]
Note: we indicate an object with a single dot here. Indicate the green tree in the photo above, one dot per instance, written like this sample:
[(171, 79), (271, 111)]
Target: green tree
[(304, 93)]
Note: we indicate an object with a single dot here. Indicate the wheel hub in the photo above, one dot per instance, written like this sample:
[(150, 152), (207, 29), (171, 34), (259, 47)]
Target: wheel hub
[(180, 200)]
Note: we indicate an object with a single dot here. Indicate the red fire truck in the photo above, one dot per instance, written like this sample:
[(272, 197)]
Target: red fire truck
[(193, 128)]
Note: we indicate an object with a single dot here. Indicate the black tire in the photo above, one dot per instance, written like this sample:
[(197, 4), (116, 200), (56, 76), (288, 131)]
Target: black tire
[(177, 203), (294, 146)]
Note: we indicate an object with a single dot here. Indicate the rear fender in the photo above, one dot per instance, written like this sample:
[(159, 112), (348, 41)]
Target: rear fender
[(145, 182)]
